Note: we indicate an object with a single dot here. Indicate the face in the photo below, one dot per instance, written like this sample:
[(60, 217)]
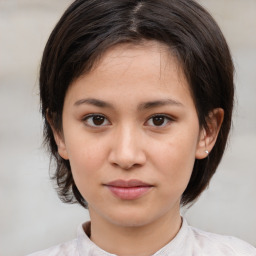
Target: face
[(131, 134)]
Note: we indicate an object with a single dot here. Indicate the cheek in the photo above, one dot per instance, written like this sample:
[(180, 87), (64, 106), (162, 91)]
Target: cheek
[(85, 158), (87, 161), (174, 158)]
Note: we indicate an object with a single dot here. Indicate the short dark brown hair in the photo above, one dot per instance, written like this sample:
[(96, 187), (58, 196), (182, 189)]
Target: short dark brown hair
[(89, 27)]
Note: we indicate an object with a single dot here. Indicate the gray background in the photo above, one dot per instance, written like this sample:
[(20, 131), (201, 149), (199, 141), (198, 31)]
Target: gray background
[(31, 216)]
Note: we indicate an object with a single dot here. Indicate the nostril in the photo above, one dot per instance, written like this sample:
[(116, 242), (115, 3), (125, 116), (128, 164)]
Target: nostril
[(126, 166)]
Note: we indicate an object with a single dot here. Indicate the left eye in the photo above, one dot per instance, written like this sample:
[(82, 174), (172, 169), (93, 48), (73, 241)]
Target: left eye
[(96, 120), (159, 120)]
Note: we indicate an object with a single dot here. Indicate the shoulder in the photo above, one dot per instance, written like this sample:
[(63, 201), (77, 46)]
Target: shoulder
[(64, 249), (214, 244)]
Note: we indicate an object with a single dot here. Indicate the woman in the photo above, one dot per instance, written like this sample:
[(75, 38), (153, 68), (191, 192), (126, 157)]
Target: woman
[(137, 99)]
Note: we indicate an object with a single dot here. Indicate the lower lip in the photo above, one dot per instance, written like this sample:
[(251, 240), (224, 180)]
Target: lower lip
[(130, 193)]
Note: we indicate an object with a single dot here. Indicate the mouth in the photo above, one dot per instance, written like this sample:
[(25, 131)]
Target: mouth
[(128, 189)]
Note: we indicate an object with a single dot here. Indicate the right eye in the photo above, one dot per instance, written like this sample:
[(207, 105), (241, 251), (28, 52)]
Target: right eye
[(95, 120)]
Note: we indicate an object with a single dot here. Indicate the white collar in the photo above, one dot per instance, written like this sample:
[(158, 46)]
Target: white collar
[(86, 247)]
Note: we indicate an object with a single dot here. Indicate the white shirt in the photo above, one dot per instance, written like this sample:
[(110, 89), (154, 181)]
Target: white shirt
[(188, 242)]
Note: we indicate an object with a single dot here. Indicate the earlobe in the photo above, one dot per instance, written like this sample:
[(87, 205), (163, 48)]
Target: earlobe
[(209, 135)]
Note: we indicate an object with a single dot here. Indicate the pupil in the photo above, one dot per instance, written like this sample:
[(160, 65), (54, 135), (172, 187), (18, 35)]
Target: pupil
[(158, 121), (98, 120)]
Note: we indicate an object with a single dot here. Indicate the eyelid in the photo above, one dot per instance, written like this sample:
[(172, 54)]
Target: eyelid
[(86, 117), (170, 119), (166, 116)]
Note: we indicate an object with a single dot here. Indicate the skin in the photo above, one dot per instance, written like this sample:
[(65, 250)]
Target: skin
[(127, 143)]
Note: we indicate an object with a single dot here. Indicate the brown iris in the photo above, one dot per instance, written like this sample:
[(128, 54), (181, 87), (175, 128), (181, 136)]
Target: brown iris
[(98, 120), (158, 120)]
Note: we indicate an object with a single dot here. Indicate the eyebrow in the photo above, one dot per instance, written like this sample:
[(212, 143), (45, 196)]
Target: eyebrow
[(94, 102), (141, 106), (159, 103)]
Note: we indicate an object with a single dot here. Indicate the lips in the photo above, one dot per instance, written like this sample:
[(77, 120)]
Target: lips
[(128, 189)]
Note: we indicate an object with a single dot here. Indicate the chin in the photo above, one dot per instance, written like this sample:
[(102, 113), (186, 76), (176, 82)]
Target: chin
[(131, 222), (131, 218)]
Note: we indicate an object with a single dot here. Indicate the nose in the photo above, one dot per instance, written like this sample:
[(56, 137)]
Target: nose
[(127, 149)]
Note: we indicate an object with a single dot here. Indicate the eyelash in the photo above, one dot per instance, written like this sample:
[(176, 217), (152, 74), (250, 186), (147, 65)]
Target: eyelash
[(167, 120), (87, 117)]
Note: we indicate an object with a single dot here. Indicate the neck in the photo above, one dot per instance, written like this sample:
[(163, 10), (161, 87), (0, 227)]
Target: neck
[(137, 240)]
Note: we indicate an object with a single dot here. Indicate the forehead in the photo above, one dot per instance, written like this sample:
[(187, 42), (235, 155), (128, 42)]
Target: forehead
[(135, 58), (148, 68), (143, 55)]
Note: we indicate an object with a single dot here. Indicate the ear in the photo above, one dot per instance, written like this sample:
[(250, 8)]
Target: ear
[(209, 135), (59, 139)]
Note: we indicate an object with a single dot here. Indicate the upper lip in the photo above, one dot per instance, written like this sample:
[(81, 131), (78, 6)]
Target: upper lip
[(128, 183)]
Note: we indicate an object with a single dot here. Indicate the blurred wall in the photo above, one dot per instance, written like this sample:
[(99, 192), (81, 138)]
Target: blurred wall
[(31, 215)]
